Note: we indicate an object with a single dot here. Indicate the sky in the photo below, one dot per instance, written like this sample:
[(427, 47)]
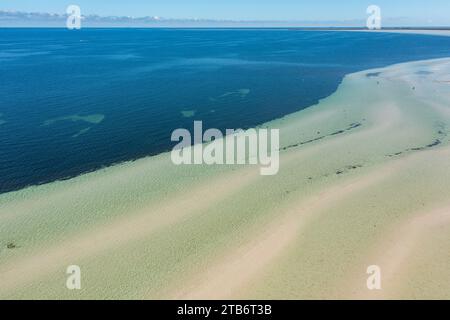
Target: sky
[(437, 11)]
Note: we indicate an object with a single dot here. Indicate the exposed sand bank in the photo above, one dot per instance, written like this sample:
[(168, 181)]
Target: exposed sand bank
[(445, 33), (364, 180)]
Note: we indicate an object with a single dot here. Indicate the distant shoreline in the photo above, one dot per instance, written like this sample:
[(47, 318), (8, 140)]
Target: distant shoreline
[(431, 32), (439, 31)]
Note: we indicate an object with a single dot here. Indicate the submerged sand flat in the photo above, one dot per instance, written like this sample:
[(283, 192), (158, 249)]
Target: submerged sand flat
[(364, 180)]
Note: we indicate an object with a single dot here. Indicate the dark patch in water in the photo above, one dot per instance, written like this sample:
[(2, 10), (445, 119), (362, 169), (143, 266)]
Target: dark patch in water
[(350, 127), (434, 144), (424, 73), (431, 145), (11, 245), (337, 132), (354, 126), (373, 74), (428, 146), (395, 154), (348, 168)]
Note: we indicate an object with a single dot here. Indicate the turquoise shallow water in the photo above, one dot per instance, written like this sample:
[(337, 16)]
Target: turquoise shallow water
[(75, 101)]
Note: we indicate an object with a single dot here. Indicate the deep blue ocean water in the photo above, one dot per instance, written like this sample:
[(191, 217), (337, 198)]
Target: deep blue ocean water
[(75, 101)]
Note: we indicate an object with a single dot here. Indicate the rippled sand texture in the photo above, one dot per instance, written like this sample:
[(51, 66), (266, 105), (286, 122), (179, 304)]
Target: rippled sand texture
[(364, 180)]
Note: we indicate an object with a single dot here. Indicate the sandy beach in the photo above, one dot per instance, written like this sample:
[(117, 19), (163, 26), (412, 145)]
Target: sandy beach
[(364, 180)]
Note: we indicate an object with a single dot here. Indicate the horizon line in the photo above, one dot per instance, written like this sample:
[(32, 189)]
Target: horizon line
[(160, 18)]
